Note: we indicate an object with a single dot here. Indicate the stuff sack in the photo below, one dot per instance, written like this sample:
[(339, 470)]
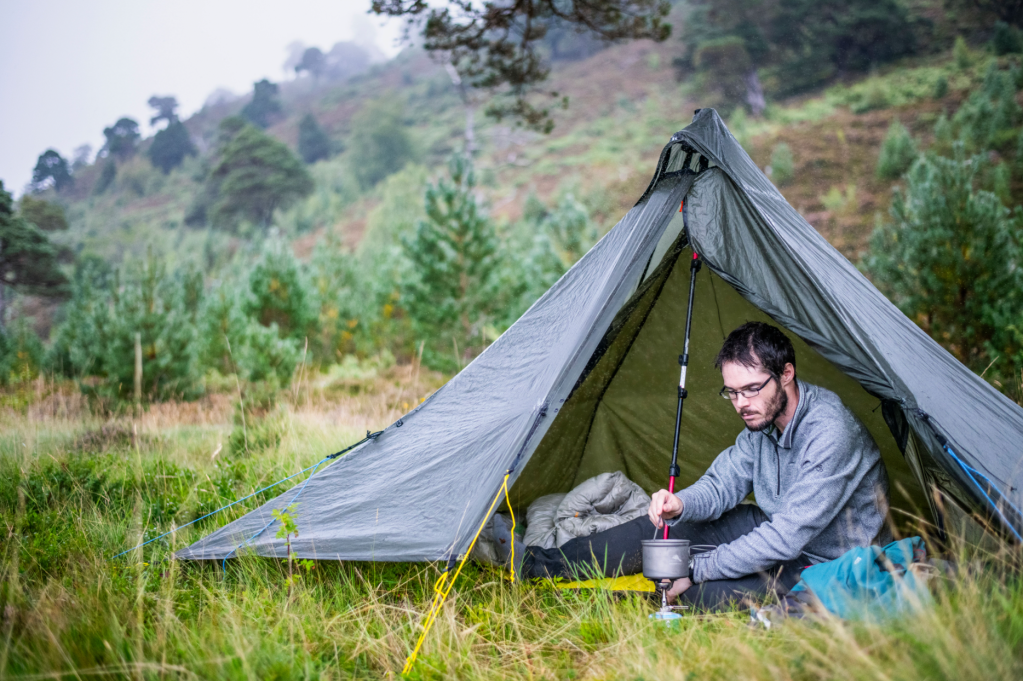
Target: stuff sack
[(870, 582)]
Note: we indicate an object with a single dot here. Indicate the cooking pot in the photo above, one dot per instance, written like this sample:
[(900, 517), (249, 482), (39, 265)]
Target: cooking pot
[(665, 559)]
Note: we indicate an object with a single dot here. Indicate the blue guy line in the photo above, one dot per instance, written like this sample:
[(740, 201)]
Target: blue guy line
[(220, 509), (300, 490), (970, 472)]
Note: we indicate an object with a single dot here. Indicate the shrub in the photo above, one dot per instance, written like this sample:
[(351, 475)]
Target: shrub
[(782, 164), (223, 328), (838, 201), (876, 95), (380, 144), (570, 229), (21, 354), (898, 151), (940, 87), (961, 54), (47, 216), (988, 117), (1006, 39), (107, 175), (264, 356), (313, 143)]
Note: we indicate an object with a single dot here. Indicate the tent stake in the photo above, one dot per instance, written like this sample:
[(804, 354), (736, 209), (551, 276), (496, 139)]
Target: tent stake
[(683, 360)]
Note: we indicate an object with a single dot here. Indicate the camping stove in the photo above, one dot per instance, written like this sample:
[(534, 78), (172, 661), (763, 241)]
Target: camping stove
[(664, 561)]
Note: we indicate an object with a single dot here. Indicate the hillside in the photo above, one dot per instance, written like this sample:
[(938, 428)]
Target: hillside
[(393, 128), (603, 148)]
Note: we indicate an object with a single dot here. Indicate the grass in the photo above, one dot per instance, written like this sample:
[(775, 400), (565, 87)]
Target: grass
[(77, 488)]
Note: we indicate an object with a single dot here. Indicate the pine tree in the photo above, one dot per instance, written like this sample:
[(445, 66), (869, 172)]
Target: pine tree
[(51, 167), (254, 176), (500, 46), (234, 343), (898, 151), (313, 143), (278, 293), (122, 138), (380, 143), (342, 302), (265, 106), (450, 293), (170, 146), (951, 260), (152, 303), (78, 343), (28, 260), (97, 338)]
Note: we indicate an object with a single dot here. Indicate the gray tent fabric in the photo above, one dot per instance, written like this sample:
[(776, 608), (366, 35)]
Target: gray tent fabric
[(585, 381)]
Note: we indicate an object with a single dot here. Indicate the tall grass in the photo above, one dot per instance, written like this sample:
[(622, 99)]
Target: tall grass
[(73, 494)]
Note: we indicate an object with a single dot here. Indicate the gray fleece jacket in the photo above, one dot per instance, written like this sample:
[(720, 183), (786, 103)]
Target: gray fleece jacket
[(821, 483)]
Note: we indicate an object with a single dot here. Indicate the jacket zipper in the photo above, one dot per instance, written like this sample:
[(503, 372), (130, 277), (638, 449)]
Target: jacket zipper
[(777, 458)]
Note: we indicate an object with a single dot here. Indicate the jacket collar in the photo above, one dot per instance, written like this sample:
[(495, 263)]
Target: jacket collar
[(785, 438)]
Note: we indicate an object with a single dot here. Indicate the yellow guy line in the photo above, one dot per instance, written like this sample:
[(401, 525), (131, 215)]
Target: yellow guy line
[(443, 586)]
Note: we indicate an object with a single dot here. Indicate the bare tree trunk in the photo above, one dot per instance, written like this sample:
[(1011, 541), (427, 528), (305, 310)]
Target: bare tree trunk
[(138, 373), (463, 92), (755, 93)]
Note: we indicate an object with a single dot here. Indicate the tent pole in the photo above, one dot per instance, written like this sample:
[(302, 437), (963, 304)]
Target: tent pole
[(683, 360)]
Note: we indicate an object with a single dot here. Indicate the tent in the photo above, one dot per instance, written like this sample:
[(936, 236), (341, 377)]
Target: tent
[(586, 380)]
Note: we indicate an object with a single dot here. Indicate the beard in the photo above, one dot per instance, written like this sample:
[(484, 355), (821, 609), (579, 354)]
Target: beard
[(773, 409)]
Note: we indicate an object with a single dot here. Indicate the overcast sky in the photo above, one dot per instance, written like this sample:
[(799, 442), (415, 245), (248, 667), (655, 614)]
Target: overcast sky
[(69, 68)]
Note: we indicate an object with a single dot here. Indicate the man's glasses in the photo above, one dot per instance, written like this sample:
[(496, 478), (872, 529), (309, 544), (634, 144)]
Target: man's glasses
[(748, 393)]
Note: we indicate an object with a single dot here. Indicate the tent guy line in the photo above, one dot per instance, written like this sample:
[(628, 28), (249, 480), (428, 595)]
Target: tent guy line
[(264, 528), (972, 473), (369, 436)]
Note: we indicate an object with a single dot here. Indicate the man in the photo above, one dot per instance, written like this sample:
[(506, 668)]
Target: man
[(813, 468)]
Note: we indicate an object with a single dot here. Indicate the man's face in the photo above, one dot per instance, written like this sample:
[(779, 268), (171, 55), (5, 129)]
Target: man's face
[(760, 411)]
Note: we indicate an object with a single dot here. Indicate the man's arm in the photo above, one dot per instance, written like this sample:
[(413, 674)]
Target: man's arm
[(826, 480), (727, 482)]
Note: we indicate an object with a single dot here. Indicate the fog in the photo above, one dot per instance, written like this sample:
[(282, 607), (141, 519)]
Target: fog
[(69, 68)]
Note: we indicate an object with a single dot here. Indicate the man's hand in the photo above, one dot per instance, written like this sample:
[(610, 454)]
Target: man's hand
[(663, 505), (678, 588)]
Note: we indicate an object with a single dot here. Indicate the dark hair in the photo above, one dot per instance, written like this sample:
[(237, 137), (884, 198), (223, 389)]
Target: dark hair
[(756, 344)]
